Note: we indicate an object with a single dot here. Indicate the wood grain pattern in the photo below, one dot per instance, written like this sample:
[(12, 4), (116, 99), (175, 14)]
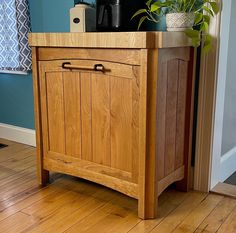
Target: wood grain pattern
[(123, 127), (43, 175), (86, 116), (135, 124), (180, 213), (110, 68), (192, 221), (177, 175), (75, 205), (142, 136), (141, 40), (148, 171), (213, 222), (92, 167), (229, 225), (121, 185), (101, 130), (184, 185), (93, 136), (55, 112), (121, 123), (181, 113), (124, 56), (171, 119), (161, 115), (228, 190), (72, 103)]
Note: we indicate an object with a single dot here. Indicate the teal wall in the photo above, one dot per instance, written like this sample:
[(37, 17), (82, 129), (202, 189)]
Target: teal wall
[(16, 93)]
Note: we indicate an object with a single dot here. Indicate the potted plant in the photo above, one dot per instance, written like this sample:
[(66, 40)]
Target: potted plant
[(191, 16)]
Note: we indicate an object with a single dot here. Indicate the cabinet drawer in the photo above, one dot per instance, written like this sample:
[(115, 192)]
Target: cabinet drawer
[(125, 56), (110, 68)]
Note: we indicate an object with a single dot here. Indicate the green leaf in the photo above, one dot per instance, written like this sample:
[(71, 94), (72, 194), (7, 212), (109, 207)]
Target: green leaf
[(158, 12), (204, 27), (161, 4), (207, 39), (206, 18), (205, 8), (154, 8), (196, 42), (207, 45), (198, 17), (207, 48), (214, 7), (192, 33), (148, 3), (141, 11), (141, 21)]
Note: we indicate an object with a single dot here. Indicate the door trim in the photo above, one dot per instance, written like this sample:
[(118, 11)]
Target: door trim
[(218, 164), (206, 110)]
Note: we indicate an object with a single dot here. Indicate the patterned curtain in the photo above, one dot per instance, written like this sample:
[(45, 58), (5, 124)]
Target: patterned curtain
[(15, 53)]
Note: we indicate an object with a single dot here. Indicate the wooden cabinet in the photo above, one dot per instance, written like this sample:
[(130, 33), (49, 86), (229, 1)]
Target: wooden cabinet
[(117, 116), (90, 120)]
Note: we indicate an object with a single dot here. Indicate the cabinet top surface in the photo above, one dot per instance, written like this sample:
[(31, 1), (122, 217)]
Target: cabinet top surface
[(132, 40)]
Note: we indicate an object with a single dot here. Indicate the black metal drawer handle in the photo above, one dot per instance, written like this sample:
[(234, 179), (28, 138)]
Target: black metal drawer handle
[(96, 67)]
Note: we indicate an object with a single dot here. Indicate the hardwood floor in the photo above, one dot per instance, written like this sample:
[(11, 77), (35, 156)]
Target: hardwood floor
[(74, 205)]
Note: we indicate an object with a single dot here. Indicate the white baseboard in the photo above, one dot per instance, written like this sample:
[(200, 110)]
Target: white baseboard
[(18, 134), (228, 164)]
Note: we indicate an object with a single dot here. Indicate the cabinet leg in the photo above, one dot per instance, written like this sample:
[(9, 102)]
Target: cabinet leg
[(43, 177), (147, 209)]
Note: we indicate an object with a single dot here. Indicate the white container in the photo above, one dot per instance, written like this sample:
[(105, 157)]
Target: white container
[(82, 18), (179, 21)]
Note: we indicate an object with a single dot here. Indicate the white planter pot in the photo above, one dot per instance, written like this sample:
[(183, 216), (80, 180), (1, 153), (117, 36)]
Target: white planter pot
[(179, 21)]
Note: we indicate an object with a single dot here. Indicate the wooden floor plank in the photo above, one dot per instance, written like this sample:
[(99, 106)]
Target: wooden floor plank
[(10, 151), (164, 209), (74, 205), (28, 172), (6, 142), (43, 193), (126, 224), (81, 213), (229, 226), (22, 186), (197, 216), (68, 215), (15, 223), (180, 213), (217, 217), (104, 218)]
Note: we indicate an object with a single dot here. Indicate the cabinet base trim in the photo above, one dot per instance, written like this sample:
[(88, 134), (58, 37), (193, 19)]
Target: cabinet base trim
[(177, 175), (128, 188)]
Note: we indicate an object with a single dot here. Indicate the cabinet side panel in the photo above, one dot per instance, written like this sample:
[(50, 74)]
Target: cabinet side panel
[(161, 116), (181, 110), (55, 112), (43, 175), (171, 110), (135, 124), (86, 116), (101, 133), (72, 113), (121, 123)]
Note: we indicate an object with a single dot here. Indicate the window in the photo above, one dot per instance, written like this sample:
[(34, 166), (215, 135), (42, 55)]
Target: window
[(15, 53)]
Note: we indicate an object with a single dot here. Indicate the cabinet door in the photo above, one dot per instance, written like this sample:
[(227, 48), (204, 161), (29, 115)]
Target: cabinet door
[(92, 117)]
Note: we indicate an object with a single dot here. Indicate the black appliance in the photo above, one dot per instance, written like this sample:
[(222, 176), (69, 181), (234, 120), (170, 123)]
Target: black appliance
[(115, 15), (109, 15)]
